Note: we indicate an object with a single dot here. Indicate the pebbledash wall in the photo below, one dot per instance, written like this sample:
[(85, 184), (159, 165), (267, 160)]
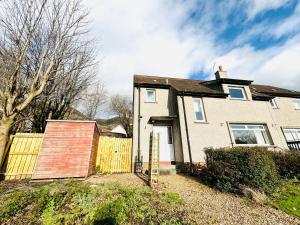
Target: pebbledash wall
[(214, 132), (220, 112), (165, 105)]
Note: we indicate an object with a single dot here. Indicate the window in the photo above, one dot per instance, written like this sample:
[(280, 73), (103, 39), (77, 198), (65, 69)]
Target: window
[(296, 103), (273, 104), (151, 96), (237, 93), (250, 134), (292, 134), (198, 107)]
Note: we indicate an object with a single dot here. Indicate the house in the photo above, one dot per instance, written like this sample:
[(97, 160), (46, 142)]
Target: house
[(191, 115), (119, 130), (112, 127)]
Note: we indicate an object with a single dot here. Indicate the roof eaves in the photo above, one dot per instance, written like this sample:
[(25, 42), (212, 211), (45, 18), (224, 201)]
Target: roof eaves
[(202, 94), (150, 85)]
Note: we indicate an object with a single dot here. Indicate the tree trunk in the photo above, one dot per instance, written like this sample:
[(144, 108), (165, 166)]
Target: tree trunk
[(5, 126)]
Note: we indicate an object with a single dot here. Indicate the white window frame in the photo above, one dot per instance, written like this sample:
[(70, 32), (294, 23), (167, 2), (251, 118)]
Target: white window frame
[(147, 99), (293, 132), (201, 109), (237, 88), (267, 135), (298, 102), (273, 103)]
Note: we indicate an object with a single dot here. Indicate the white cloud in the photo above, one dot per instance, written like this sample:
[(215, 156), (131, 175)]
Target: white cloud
[(289, 25), (152, 37), (258, 6), (144, 37), (278, 66)]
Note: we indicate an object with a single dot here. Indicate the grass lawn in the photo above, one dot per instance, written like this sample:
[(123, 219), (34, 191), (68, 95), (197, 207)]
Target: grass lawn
[(77, 202), (287, 198)]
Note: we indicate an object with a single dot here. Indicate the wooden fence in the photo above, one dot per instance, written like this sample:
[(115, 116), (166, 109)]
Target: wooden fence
[(113, 156), (21, 158)]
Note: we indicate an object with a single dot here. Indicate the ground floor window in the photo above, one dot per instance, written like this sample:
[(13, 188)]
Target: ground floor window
[(250, 134), (292, 134)]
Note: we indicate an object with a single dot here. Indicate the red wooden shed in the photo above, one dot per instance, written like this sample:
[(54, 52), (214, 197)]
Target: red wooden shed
[(69, 149)]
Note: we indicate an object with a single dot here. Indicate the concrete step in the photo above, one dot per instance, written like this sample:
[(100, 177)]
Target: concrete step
[(167, 170)]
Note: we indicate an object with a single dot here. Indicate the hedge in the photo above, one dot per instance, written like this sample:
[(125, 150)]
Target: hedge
[(231, 169), (288, 164)]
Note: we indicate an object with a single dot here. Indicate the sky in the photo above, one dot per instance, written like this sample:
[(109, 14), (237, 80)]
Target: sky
[(252, 39)]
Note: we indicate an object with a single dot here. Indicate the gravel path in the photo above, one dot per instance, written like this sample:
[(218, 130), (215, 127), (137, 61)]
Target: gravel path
[(207, 206)]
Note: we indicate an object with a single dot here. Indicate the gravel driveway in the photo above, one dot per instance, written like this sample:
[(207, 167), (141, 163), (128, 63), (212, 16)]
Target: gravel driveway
[(206, 205)]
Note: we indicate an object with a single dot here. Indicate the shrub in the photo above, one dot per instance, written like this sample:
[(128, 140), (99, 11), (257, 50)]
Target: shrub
[(230, 169), (288, 164)]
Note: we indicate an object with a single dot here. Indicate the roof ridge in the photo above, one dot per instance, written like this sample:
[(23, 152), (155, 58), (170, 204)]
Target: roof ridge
[(165, 77)]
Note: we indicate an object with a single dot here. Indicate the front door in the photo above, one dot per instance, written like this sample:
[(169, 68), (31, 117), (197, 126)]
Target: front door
[(166, 151)]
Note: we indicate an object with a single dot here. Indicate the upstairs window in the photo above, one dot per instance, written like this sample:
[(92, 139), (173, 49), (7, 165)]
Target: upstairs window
[(250, 134), (273, 104), (237, 93), (199, 112), (296, 103), (151, 95)]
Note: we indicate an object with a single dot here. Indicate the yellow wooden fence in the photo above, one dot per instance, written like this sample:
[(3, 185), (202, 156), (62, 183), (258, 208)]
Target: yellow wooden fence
[(113, 156), (21, 158)]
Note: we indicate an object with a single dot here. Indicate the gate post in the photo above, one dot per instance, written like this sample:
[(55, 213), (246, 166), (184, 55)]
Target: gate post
[(153, 160)]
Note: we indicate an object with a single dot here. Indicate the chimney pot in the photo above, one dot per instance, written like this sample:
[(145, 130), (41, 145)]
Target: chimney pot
[(221, 73)]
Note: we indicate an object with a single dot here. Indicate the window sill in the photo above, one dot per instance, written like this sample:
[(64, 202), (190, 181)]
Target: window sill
[(254, 145), (203, 122), (239, 99)]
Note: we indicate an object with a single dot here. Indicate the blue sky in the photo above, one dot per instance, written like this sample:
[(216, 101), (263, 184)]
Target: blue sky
[(252, 39)]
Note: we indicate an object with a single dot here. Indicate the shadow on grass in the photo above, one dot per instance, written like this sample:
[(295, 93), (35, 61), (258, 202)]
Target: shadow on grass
[(106, 221), (143, 177)]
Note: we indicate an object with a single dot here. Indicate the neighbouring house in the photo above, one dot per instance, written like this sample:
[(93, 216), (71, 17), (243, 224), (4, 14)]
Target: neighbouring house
[(111, 128), (191, 115), (119, 130)]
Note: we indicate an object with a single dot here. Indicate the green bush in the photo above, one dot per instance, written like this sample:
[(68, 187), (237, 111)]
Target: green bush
[(230, 169), (288, 164)]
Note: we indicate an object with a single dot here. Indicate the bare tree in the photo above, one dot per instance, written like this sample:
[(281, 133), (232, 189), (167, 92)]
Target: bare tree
[(122, 107), (93, 99), (37, 40), (64, 91)]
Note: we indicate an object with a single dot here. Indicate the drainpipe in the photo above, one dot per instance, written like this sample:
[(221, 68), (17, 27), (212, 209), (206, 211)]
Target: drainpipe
[(139, 126), (187, 131)]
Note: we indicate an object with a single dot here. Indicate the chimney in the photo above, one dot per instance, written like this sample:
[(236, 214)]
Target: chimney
[(221, 73)]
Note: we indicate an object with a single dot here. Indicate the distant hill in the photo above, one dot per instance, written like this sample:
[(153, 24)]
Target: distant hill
[(108, 124)]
